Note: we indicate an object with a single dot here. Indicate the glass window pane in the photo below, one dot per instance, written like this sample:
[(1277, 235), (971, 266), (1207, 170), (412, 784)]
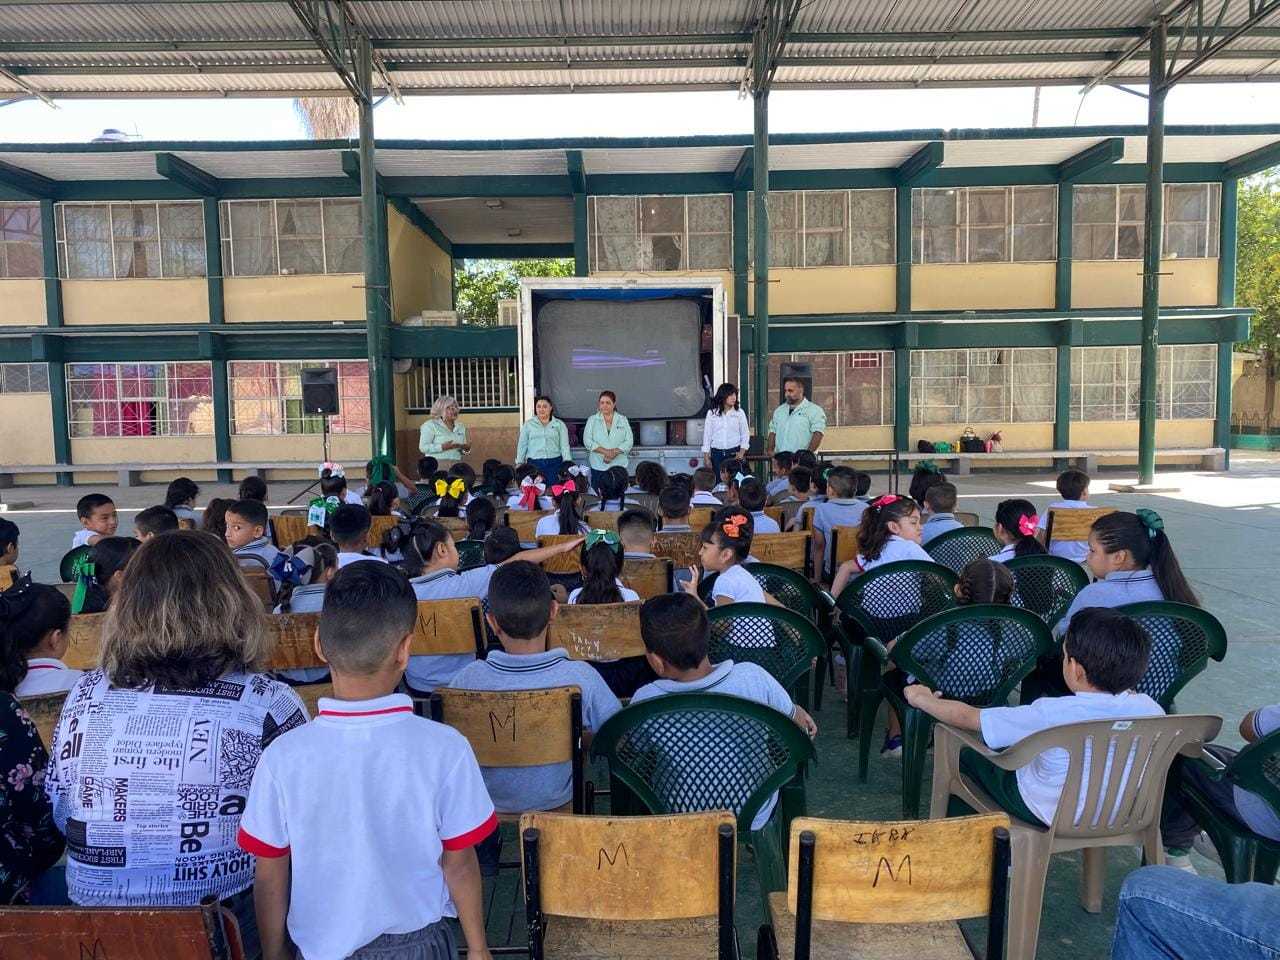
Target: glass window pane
[(871, 216), (1035, 205), (253, 241), (1129, 242), (298, 218), (615, 215), (1032, 243), (662, 215), (987, 244), (1094, 205), (1093, 241), (711, 251), (661, 252), (713, 214), (87, 236), (1132, 203), (988, 207), (618, 253)]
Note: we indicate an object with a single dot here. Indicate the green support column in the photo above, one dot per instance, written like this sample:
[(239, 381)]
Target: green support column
[(1152, 236), (1062, 278), (741, 298), (1222, 423), (1069, 333), (217, 317), (902, 235), (581, 263), (211, 346), (53, 318), (1227, 220), (908, 338), (760, 177)]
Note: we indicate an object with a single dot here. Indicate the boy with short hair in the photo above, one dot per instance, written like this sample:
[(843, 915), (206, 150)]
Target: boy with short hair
[(635, 530), (676, 635), (841, 509), (673, 505), (703, 480), (1073, 487), (862, 485), (153, 521), (247, 531), (423, 491), (783, 461), (364, 821), (521, 609), (940, 515), (1104, 655), (751, 497), (349, 526), (98, 519)]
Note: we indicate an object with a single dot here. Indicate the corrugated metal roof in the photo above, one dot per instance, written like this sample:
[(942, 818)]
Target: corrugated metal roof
[(215, 48)]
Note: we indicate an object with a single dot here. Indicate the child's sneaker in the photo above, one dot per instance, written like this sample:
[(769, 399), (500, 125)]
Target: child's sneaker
[(1180, 857), (892, 747)]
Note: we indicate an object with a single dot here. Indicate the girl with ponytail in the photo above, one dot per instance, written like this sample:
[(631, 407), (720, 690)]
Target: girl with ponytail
[(601, 562), (1016, 524), (1133, 561), (481, 516), (567, 494), (984, 581), (889, 530), (34, 619)]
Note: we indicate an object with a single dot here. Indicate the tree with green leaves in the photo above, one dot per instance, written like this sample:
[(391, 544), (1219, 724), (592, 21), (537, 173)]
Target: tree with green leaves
[(1258, 276), (482, 283)]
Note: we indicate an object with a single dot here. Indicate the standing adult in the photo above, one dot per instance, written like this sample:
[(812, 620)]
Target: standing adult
[(797, 424), (607, 437), (442, 436), (726, 433), (544, 440)]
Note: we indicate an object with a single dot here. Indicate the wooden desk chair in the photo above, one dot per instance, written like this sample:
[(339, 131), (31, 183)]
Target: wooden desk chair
[(8, 576), (84, 641), (1068, 524), (635, 887), (68, 590), (263, 587), (789, 550), (681, 547), (564, 563), (891, 890), (778, 514), (699, 517), (44, 711), (185, 524), (806, 519), (519, 728), (967, 518), (457, 526), (603, 519), (598, 631), (206, 932), (844, 547), (524, 521), (289, 529), (649, 577)]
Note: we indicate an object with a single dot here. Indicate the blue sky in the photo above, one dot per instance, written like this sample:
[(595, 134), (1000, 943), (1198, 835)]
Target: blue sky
[(644, 114)]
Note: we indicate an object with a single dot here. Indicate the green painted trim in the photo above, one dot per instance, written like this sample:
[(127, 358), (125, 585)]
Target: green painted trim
[(1255, 161), (58, 418), (49, 267), (1062, 272), (479, 186), (453, 282), (198, 181), (902, 248), (351, 167), (31, 185), (636, 184), (1092, 158), (902, 397), (1222, 422), (581, 235), (577, 172), (212, 346), (515, 251), (760, 202), (742, 172), (425, 225), (1227, 241), (213, 262), (1062, 398), (741, 266), (426, 342), (925, 160)]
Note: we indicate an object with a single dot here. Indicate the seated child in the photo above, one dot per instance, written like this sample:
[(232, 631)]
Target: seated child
[(422, 492), (651, 477), (1133, 560), (612, 490), (8, 550), (939, 511), (676, 636), (500, 546), (110, 556), (482, 517), (862, 488), (817, 495), (304, 570), (98, 519), (180, 497), (925, 476), (703, 481), (1015, 527), (729, 468), (520, 610), (1104, 655), (635, 530), (152, 521), (751, 497), (346, 866), (726, 545), (532, 493), (1073, 487), (333, 483), (252, 487), (247, 531), (841, 509), (214, 519), (349, 526), (600, 560), (384, 501), (33, 624), (783, 461), (889, 531), (673, 506), (453, 497), (503, 483), (799, 483), (568, 516)]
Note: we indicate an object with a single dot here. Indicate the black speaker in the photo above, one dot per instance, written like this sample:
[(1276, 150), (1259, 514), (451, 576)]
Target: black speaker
[(320, 391), (795, 371)]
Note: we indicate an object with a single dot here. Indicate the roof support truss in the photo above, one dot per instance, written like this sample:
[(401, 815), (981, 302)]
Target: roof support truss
[(1255, 161), (773, 26), (1101, 154), (172, 167), (929, 157), (334, 32), (24, 181)]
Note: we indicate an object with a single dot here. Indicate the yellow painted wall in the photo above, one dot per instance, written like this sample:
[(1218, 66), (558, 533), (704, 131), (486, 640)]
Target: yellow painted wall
[(829, 290), (26, 428), (421, 273), (857, 438), (22, 303), (725, 277), (1118, 283), (95, 302), (302, 298), (112, 451), (1123, 435), (982, 286), (349, 449)]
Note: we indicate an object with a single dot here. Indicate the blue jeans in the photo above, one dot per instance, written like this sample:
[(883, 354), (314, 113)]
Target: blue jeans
[(1166, 914), (549, 468), (719, 456)]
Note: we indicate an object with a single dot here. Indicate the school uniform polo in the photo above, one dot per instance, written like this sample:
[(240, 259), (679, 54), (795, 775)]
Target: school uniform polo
[(546, 786), (434, 435), (895, 548), (1117, 589), (352, 497), (261, 548), (346, 557), (81, 537), (543, 441), (738, 585), (669, 527), (307, 598), (544, 503), (1040, 782), (183, 512), (428, 672), (777, 485), (937, 524), (793, 427), (1005, 553), (365, 800), (550, 527), (745, 680), (761, 522), (628, 595), (47, 675), (840, 512), (1073, 550), (596, 434), (704, 498)]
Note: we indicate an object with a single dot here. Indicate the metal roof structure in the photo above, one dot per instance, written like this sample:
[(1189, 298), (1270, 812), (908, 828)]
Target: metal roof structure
[(240, 48)]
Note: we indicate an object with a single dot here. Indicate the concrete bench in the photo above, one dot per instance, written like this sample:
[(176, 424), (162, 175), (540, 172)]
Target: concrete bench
[(130, 474), (1211, 458)]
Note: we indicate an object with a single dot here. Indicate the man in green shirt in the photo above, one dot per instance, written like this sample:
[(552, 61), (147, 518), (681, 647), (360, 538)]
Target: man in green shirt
[(797, 424)]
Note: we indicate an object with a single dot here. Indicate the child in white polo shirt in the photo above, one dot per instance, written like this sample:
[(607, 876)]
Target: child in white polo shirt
[(33, 620), (1073, 487), (364, 821), (1104, 656), (726, 545)]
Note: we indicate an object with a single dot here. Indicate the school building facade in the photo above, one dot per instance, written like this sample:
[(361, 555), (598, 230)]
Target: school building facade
[(158, 300)]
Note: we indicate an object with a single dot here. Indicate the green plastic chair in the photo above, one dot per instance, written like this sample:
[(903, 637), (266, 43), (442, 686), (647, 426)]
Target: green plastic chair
[(884, 603), (690, 752), (470, 554), (775, 638), (1183, 639), (1245, 856), (956, 548), (791, 589), (1046, 585), (977, 654)]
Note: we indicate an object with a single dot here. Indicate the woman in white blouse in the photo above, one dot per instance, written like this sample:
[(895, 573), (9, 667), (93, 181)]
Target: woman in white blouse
[(726, 434)]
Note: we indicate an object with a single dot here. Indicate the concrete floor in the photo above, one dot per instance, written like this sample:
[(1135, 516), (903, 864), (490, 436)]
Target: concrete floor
[(1225, 527)]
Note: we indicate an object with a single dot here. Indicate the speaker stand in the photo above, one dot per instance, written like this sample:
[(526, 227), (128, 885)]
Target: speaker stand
[(324, 446)]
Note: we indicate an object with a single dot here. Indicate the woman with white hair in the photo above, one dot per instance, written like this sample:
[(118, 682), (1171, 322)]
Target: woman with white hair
[(443, 437)]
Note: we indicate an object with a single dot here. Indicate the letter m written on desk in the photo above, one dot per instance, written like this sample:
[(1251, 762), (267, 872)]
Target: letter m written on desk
[(503, 727)]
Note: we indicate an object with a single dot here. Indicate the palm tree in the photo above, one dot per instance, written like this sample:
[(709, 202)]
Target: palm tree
[(328, 118)]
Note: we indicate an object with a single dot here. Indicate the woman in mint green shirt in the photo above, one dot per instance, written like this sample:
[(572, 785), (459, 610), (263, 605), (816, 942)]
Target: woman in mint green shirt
[(443, 437), (544, 440), (607, 437)]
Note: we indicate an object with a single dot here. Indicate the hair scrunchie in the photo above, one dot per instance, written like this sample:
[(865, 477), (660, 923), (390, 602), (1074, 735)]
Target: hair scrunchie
[(607, 537), (1027, 524), (884, 501), (455, 489), (1151, 520)]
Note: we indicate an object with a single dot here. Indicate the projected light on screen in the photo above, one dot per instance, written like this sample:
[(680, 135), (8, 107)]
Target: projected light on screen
[(647, 351)]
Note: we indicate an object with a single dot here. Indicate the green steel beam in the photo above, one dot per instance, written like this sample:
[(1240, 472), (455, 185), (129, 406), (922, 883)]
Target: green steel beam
[(479, 186), (49, 265), (31, 186), (213, 261), (925, 160), (351, 167), (581, 233), (760, 181), (210, 345), (904, 341), (1070, 333), (415, 215), (172, 167), (1222, 408), (741, 273), (517, 251), (902, 248), (1062, 272), (1153, 227), (1086, 161), (577, 173), (742, 173), (52, 345), (1255, 161), (1227, 219)]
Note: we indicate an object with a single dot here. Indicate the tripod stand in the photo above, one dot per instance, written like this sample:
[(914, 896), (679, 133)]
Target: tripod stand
[(324, 445)]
